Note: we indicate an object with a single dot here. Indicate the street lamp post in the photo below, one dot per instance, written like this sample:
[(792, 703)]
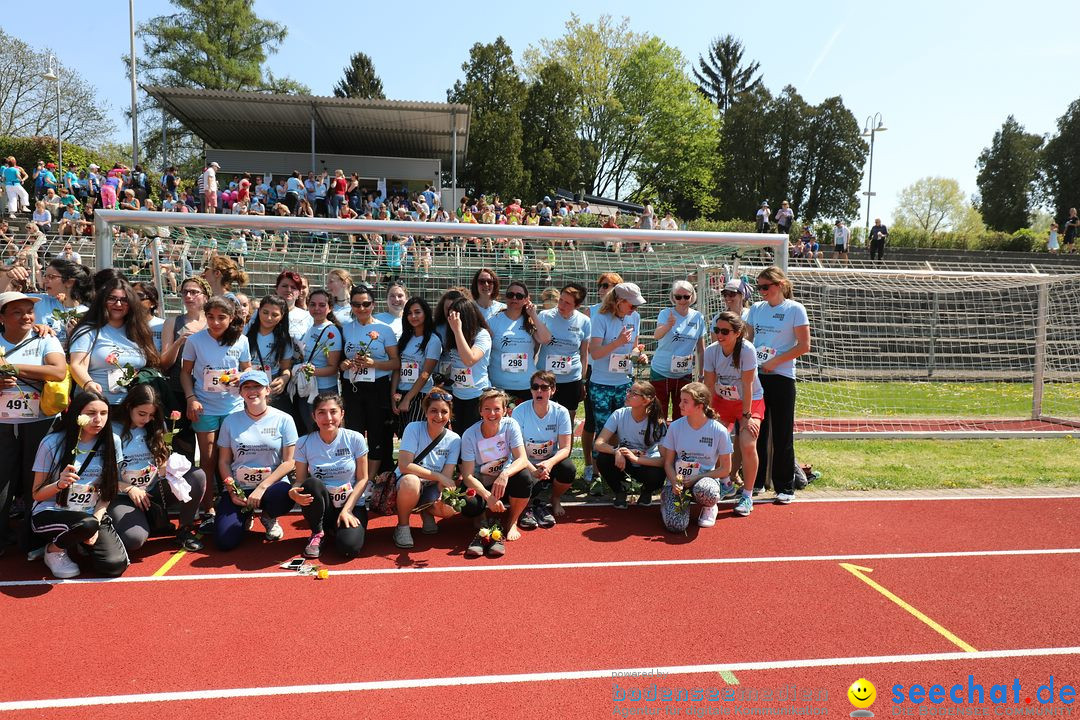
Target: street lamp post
[(874, 125), (54, 76)]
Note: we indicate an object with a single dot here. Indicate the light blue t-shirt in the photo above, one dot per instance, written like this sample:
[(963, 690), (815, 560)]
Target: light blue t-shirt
[(358, 336), (470, 380), (696, 451), (674, 355), (631, 433), (774, 331), (491, 311), (562, 356), (413, 360), (614, 369), (312, 346), (392, 320), (156, 324), (138, 466), (11, 175), (299, 322), (416, 438), (513, 353), (22, 403), (263, 356), (728, 377), (343, 312), (43, 315), (256, 444), (334, 464), (101, 343), (210, 360), (491, 454), (541, 435), (48, 460)]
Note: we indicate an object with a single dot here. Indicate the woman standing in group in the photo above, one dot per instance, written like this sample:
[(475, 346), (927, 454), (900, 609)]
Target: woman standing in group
[(731, 371), (143, 491), (338, 283), (370, 357), (566, 355), (112, 334), (629, 446), (288, 287), (485, 288), (255, 456), (697, 456), (396, 295), (736, 294), (419, 349), (224, 276), (426, 459), (613, 347), (468, 356), (515, 333), (320, 351), (442, 328), (271, 349), (781, 333), (212, 360), (331, 480), (68, 288), (493, 463), (680, 335), (548, 433), (148, 296), (604, 283), (75, 479), (194, 292)]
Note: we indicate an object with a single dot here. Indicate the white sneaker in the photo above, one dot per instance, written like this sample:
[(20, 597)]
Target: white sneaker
[(274, 531), (784, 498), (61, 565), (707, 518)]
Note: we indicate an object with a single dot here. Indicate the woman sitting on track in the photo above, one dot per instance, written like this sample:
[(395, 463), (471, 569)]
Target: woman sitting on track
[(546, 429), (255, 455), (426, 459), (143, 491), (515, 333), (332, 480), (697, 455), (75, 479), (493, 463), (628, 445), (419, 348), (567, 354), (680, 335), (731, 371), (470, 350), (271, 349)]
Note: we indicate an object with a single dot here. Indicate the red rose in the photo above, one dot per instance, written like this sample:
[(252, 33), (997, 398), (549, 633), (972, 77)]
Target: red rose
[(330, 334), (470, 493)]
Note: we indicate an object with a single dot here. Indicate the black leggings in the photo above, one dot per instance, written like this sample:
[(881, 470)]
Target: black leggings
[(322, 516), (70, 528), (519, 486), (564, 472), (651, 478), (466, 414), (18, 446), (367, 411), (568, 394), (779, 423)]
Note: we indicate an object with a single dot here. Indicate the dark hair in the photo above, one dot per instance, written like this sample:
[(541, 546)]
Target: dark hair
[(739, 327), (527, 322), (329, 304), (282, 344), (106, 452), (577, 290), (323, 399), (475, 288), (428, 329), (236, 324), (655, 425), (453, 295), (136, 322), (472, 321), (144, 394), (151, 293), (105, 276), (82, 289)]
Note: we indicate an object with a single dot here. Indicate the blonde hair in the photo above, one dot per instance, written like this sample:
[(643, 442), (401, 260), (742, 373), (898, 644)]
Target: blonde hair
[(493, 393), (776, 275)]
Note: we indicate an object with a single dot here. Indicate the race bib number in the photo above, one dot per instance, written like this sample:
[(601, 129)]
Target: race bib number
[(682, 364), (765, 354), (463, 377), (727, 392), (339, 493), (364, 374), (560, 364), (249, 478), (619, 363), (140, 478), (15, 403), (218, 381), (685, 469), (515, 362), (539, 451), (113, 379), (410, 372), (493, 453), (83, 498)]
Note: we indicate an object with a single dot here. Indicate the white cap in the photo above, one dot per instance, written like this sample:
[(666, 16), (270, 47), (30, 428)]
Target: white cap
[(10, 297)]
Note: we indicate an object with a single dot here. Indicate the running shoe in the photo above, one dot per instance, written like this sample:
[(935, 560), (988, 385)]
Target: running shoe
[(496, 549), (645, 499), (707, 518), (403, 536), (744, 506), (544, 517), (727, 490), (758, 491), (61, 565), (314, 547), (206, 526), (784, 498), (186, 538), (430, 526), (274, 531), (476, 547), (620, 501), (527, 521)]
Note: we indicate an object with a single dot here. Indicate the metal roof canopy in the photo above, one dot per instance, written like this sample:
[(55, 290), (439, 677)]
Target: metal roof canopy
[(298, 123)]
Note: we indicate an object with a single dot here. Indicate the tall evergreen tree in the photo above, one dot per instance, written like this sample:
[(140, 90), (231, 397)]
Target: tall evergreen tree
[(1008, 172), (1061, 163), (360, 80), (723, 77), (550, 152)]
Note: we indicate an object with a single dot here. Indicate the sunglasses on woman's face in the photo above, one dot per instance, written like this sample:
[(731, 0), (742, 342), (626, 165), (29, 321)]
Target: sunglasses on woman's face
[(514, 295), (365, 304), (485, 281), (682, 297), (723, 331), (764, 287), (539, 386)]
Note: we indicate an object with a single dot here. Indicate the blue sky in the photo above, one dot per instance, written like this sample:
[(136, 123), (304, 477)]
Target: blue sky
[(944, 75)]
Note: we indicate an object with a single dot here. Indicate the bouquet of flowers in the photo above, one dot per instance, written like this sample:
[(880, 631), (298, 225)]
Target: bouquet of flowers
[(129, 372)]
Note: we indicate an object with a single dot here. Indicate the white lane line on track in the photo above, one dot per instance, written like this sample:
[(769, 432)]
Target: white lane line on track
[(552, 566), (609, 674)]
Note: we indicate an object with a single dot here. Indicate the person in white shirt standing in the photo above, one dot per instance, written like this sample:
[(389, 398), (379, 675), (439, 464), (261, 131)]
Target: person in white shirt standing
[(841, 240), (210, 187)]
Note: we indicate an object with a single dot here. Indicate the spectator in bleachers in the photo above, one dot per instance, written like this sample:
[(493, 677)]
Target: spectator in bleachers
[(841, 241), (52, 203), (129, 201), (112, 187), (41, 220), (208, 185), (1072, 227), (294, 186), (70, 222), (784, 217), (763, 218), (14, 177)]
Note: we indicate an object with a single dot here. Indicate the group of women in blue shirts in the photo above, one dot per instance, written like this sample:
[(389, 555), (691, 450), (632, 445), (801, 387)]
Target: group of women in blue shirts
[(300, 407)]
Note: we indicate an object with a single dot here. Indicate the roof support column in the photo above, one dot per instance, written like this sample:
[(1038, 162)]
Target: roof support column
[(312, 138), (453, 162)]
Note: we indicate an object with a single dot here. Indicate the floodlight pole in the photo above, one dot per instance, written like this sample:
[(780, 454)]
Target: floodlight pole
[(134, 109), (874, 125)]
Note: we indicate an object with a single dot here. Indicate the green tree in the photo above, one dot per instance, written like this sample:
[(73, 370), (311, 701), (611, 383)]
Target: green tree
[(550, 153), (722, 77), (1061, 163), (360, 80), (935, 204), (1008, 175), (746, 147), (828, 181), (495, 94)]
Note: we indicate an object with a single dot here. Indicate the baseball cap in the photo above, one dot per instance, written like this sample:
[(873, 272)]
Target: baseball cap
[(10, 297), (255, 376), (733, 286), (629, 292), (215, 165)]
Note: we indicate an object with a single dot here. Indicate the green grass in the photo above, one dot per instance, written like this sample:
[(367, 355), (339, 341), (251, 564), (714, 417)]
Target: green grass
[(952, 399)]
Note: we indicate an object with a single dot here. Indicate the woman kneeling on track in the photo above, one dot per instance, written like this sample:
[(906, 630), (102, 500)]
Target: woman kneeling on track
[(143, 491), (628, 446), (255, 455), (546, 428), (493, 463), (75, 479), (332, 480), (731, 371), (426, 459), (697, 456)]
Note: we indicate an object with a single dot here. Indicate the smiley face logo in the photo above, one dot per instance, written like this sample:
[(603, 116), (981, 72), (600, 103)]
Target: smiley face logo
[(862, 695)]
